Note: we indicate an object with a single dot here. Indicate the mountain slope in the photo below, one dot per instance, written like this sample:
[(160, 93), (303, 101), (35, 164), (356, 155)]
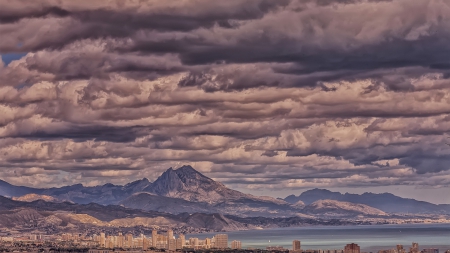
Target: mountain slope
[(33, 197), (57, 217), (149, 201), (188, 184), (215, 222), (9, 190), (187, 190), (106, 194), (333, 208), (386, 202)]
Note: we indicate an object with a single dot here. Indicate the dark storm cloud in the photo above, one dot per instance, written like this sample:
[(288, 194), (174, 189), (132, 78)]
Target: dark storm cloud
[(84, 133), (174, 16), (354, 52), (391, 47), (69, 65), (83, 20), (10, 15), (387, 54), (270, 153)]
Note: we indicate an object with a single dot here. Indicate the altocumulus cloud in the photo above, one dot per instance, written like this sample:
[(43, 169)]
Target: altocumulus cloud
[(261, 94)]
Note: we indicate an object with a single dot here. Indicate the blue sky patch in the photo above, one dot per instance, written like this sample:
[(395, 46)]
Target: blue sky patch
[(8, 58)]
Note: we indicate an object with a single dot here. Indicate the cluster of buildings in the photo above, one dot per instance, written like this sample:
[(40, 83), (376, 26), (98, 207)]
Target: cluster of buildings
[(167, 241), (355, 248), (413, 249), (163, 241), (128, 241)]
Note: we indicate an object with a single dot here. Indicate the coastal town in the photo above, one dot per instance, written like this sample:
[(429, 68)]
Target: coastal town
[(165, 241)]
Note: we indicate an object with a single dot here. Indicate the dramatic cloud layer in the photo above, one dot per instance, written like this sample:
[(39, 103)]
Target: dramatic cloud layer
[(262, 94)]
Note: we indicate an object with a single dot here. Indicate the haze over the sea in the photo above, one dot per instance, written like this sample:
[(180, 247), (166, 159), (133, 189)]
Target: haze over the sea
[(369, 238)]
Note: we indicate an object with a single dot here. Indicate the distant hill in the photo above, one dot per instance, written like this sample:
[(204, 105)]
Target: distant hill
[(57, 217), (65, 215), (33, 197), (334, 208), (386, 202), (9, 190)]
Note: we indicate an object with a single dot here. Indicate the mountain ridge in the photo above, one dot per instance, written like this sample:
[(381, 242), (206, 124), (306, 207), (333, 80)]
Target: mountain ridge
[(186, 189), (334, 208), (386, 202), (64, 216), (176, 191)]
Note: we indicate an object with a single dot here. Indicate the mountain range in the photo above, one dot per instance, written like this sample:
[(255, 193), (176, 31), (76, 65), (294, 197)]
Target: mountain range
[(386, 202), (51, 217), (45, 215), (185, 190), (175, 191)]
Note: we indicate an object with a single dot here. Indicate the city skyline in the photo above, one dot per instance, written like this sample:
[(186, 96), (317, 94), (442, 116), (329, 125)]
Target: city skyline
[(168, 241)]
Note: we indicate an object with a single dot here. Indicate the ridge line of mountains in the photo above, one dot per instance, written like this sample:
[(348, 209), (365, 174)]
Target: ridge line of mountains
[(185, 190)]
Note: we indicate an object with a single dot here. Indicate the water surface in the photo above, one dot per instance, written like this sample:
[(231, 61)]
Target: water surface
[(370, 238)]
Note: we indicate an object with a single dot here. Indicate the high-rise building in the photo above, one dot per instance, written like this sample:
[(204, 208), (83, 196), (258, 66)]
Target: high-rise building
[(193, 242), (179, 243), (128, 240), (120, 240), (208, 243), (221, 241), (114, 241), (102, 240), (154, 238), (172, 244), (145, 243), (141, 240), (109, 242), (161, 242), (183, 240), (352, 248), (414, 248), (296, 245), (170, 234), (236, 244)]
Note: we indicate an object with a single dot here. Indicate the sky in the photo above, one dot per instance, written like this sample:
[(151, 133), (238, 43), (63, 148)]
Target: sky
[(269, 97)]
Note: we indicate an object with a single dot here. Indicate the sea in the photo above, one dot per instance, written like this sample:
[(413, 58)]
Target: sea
[(370, 238)]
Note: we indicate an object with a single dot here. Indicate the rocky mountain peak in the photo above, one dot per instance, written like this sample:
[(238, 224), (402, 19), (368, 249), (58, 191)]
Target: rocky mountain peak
[(189, 184), (191, 177), (187, 169)]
